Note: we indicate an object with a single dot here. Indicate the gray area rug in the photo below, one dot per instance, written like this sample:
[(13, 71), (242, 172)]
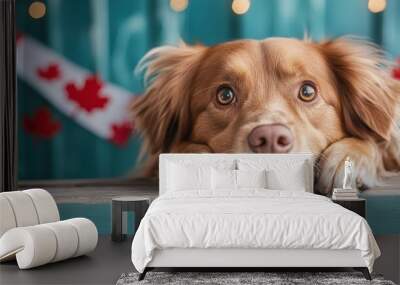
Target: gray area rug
[(231, 278)]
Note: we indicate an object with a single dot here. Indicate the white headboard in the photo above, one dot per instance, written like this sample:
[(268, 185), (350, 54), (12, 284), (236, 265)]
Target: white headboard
[(230, 159)]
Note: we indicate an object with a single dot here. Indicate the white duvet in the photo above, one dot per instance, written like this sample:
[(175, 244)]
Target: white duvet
[(250, 219)]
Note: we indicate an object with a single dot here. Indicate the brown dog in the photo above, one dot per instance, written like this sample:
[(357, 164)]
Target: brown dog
[(334, 99)]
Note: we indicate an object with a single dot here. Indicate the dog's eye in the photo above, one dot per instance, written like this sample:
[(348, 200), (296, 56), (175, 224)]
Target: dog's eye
[(307, 92), (225, 96)]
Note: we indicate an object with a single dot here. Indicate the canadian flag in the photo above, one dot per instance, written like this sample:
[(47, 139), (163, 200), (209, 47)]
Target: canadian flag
[(96, 105)]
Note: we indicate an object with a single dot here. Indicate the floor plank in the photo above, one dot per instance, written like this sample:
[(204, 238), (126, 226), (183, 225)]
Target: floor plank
[(93, 193)]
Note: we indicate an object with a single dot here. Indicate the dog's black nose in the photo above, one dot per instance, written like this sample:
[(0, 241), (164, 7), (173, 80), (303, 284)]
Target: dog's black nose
[(271, 138)]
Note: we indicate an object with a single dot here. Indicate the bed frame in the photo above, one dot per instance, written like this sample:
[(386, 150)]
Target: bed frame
[(249, 259)]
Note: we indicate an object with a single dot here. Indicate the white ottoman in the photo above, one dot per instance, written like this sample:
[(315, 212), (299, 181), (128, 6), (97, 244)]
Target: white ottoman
[(31, 232)]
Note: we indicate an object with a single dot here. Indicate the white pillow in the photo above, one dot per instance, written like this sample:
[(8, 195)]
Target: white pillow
[(288, 174), (181, 177), (294, 180), (224, 179), (251, 178)]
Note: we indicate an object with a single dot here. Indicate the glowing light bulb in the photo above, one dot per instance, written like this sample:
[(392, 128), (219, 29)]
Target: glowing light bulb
[(240, 6), (37, 10), (376, 6), (178, 5)]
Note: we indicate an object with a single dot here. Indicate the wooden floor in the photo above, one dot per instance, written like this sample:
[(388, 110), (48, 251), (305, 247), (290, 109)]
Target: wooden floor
[(94, 191), (102, 266), (102, 190), (98, 194)]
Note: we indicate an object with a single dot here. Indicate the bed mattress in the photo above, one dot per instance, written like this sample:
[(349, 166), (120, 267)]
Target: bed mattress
[(250, 219)]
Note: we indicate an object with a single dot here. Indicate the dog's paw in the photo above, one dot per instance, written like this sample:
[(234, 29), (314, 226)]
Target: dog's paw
[(364, 155)]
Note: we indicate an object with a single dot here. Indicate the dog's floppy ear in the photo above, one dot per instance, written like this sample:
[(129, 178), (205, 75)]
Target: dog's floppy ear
[(368, 93), (162, 114)]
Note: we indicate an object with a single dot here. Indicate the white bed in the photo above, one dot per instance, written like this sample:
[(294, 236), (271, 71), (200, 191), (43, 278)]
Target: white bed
[(248, 226)]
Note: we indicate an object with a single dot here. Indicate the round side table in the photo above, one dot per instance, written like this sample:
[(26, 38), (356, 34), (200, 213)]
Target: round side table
[(138, 205)]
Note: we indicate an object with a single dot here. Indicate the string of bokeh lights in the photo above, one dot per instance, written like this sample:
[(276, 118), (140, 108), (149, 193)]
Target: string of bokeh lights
[(241, 7), (37, 9)]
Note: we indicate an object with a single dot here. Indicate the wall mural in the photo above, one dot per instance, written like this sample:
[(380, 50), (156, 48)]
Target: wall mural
[(219, 92)]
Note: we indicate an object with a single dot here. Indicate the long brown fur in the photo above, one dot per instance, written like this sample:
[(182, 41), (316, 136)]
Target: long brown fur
[(354, 114)]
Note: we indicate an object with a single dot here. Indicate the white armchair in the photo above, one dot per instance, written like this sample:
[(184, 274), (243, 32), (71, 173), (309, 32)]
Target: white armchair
[(31, 230)]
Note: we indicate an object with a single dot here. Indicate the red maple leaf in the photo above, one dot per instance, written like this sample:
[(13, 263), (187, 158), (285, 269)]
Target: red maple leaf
[(396, 70), (41, 124), (396, 73), (121, 132), (50, 72), (87, 97)]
